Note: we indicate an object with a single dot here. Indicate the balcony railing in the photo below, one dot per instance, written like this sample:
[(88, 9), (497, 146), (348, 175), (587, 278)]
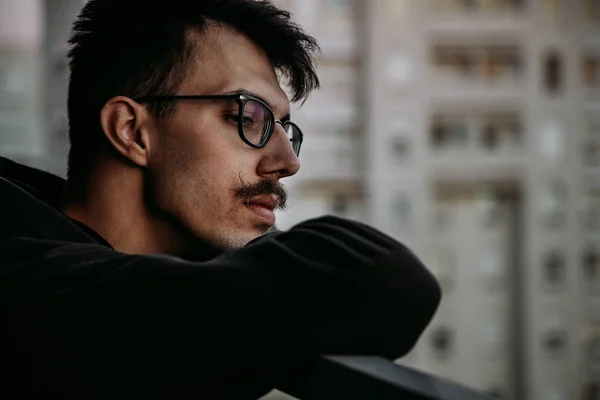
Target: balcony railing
[(477, 6), (366, 378), (492, 66)]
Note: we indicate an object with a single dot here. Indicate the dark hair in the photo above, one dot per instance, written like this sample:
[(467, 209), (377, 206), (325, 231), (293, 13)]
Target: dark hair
[(140, 48)]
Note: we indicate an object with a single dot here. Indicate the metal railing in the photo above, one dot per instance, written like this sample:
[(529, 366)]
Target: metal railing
[(374, 378)]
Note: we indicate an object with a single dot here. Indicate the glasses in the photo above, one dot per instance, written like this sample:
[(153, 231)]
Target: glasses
[(254, 118)]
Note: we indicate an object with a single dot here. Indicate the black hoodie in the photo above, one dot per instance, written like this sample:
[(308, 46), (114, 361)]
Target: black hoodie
[(79, 320)]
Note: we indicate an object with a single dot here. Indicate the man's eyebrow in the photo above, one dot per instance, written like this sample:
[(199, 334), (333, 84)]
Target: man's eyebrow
[(258, 96)]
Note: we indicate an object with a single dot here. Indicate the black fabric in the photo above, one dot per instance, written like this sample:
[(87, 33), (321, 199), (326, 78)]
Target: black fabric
[(79, 320), (91, 232)]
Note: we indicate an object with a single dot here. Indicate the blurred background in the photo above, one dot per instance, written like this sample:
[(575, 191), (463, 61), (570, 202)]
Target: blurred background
[(467, 129)]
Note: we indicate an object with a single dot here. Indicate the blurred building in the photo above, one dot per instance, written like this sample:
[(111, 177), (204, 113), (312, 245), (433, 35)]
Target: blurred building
[(21, 81), (33, 80), (468, 129)]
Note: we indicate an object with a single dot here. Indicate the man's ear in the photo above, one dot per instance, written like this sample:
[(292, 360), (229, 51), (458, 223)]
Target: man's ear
[(124, 123)]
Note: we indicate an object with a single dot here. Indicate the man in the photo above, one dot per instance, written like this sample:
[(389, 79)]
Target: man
[(147, 274)]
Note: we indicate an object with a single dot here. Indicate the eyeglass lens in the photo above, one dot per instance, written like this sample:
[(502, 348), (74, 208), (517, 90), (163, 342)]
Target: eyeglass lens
[(258, 124), (294, 135)]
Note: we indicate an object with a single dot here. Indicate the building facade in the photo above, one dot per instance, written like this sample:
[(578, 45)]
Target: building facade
[(468, 130)]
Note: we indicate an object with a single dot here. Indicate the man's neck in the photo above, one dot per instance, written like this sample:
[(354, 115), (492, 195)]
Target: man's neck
[(114, 206)]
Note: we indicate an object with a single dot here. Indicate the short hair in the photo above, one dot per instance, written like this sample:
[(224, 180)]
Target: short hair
[(140, 48)]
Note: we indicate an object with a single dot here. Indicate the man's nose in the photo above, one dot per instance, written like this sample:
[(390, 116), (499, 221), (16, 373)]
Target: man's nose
[(279, 160)]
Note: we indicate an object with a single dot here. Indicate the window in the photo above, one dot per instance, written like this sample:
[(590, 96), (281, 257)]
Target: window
[(591, 211), (454, 61), (501, 63), (492, 131), (444, 6), (591, 265), (487, 6), (553, 73), (339, 204), (554, 274), (591, 153), (505, 5), (3, 77), (591, 362), (590, 71), (590, 149), (593, 351), (450, 131), (554, 340), (442, 342), (487, 64), (400, 149), (501, 131), (489, 138)]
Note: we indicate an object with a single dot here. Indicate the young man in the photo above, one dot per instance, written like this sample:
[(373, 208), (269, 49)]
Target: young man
[(147, 274)]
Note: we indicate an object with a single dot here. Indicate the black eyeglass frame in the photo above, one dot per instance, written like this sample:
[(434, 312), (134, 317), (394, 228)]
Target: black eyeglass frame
[(241, 100)]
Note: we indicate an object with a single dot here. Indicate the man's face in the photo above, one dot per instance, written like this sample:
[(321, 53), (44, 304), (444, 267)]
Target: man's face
[(201, 173)]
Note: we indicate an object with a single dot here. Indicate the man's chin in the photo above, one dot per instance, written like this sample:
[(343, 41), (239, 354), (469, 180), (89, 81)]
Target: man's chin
[(238, 238), (257, 233)]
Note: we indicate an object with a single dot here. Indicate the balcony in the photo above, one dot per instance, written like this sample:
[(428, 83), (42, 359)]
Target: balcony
[(476, 16), (485, 7), (490, 70), (477, 144), (488, 13)]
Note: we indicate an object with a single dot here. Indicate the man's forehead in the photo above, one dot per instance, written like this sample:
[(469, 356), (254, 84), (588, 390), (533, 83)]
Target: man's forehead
[(228, 62)]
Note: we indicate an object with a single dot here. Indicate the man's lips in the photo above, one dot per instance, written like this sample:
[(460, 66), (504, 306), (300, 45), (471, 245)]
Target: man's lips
[(263, 206), (266, 201)]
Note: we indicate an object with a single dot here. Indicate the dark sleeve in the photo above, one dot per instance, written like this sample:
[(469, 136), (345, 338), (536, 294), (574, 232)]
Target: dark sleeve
[(88, 322)]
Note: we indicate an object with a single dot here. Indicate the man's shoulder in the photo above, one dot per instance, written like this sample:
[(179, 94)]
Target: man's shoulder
[(19, 249)]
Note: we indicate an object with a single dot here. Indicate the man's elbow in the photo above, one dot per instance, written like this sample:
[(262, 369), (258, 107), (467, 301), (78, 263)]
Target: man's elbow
[(417, 298)]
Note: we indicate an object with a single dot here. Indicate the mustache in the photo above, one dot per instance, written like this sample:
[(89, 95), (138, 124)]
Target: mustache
[(246, 191)]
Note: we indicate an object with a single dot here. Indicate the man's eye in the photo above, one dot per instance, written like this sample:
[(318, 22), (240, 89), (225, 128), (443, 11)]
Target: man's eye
[(236, 119), (232, 118), (247, 120)]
